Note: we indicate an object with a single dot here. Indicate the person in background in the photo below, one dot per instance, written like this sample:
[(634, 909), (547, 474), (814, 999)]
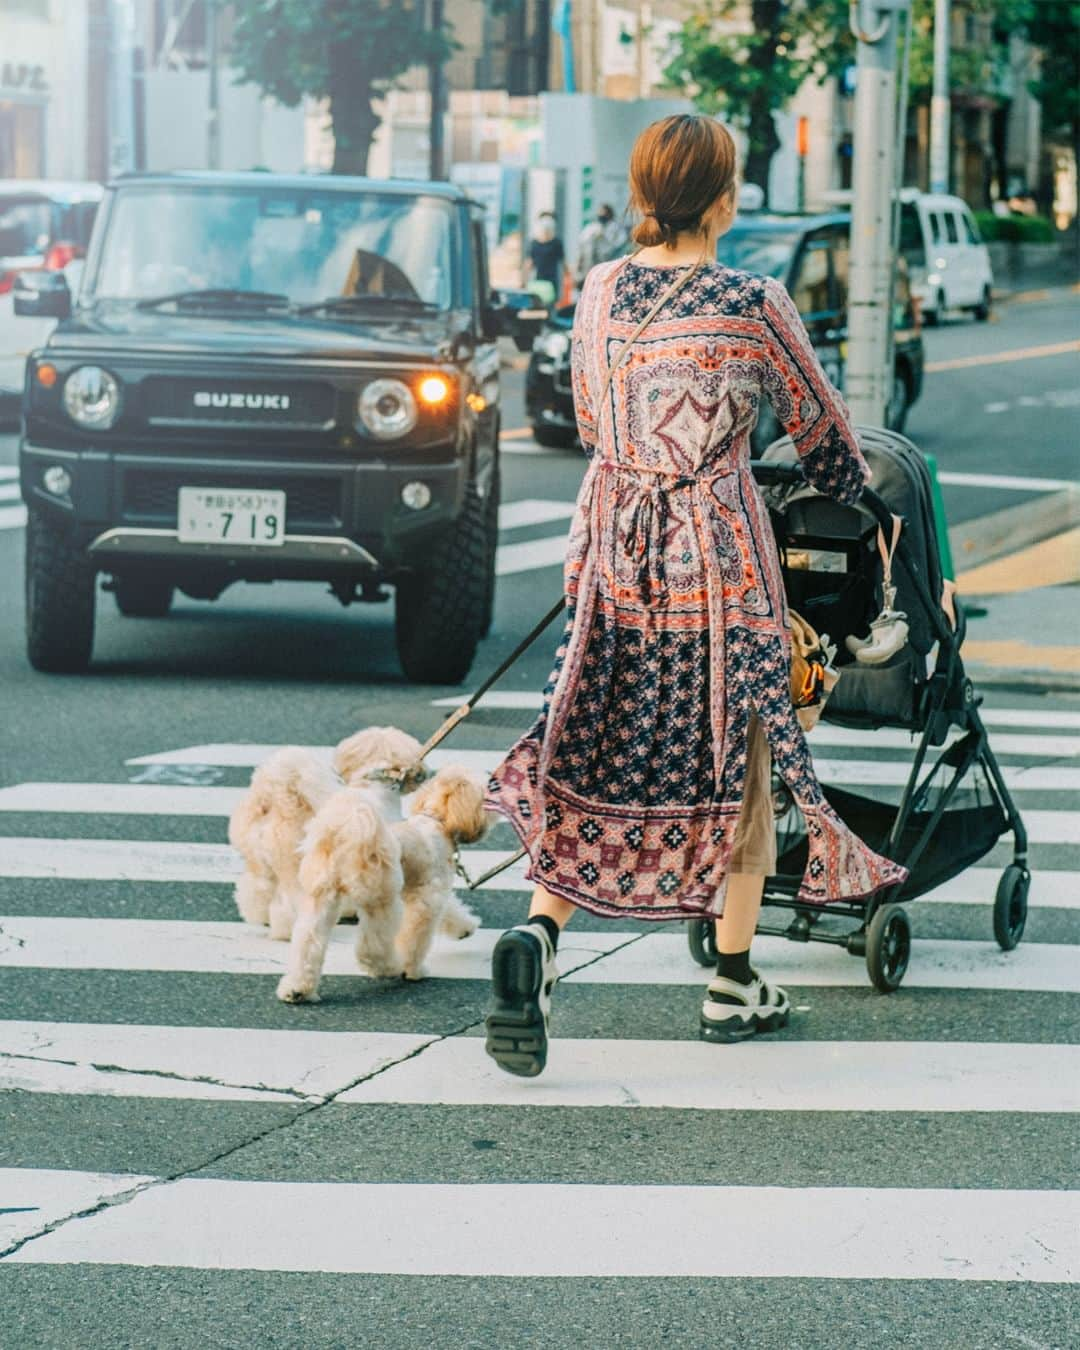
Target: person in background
[(547, 258), (601, 240)]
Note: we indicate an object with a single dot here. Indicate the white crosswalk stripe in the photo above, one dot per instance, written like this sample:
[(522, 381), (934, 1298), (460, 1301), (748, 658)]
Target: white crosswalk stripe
[(532, 699), (157, 799), (179, 948), (242, 1064), (576, 1230), (654, 958), (155, 861), (248, 755)]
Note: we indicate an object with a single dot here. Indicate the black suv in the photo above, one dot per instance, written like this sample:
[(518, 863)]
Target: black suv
[(268, 377), (809, 254)]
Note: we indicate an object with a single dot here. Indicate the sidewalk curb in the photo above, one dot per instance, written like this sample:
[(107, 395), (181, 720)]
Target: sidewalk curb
[(1027, 293), (1001, 677), (986, 538)]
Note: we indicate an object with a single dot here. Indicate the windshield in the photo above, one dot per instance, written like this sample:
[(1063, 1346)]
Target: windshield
[(24, 227), (306, 244), (767, 252)]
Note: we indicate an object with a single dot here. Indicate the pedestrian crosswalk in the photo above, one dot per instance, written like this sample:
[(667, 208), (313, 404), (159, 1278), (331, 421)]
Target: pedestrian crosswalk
[(128, 985), (12, 511)]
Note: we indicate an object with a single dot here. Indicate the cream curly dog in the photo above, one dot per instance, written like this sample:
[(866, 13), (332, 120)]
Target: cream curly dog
[(399, 878), (267, 827)]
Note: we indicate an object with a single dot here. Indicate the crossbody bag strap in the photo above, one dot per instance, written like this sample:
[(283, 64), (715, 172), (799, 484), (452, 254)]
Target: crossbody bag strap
[(624, 350)]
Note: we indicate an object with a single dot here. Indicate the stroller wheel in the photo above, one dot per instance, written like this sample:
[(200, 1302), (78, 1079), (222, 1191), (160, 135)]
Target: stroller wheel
[(888, 947), (1010, 906), (701, 934)]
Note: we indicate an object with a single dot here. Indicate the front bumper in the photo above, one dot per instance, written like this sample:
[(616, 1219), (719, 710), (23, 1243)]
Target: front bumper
[(340, 515), (549, 399)]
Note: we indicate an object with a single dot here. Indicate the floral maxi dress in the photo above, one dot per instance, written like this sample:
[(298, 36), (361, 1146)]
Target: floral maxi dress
[(627, 790)]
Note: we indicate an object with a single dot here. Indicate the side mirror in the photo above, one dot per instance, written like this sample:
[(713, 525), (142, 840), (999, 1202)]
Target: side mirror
[(41, 295), (519, 315)]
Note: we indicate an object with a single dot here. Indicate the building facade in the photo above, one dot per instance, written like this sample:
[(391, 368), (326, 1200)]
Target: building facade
[(44, 89)]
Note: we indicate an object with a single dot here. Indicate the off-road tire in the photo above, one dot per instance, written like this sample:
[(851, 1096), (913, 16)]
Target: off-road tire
[(59, 600), (554, 438), (439, 612), (143, 597), (492, 503)]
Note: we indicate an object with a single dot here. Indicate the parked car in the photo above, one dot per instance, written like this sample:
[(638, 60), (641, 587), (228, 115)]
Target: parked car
[(42, 225), (947, 258), (810, 255), (266, 377)]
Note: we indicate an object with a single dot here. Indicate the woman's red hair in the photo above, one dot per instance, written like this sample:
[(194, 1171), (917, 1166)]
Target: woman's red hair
[(679, 167)]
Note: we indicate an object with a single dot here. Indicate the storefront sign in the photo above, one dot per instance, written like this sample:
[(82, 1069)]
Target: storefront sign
[(18, 78)]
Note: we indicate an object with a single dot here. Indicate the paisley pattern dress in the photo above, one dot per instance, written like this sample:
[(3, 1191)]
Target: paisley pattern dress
[(627, 790)]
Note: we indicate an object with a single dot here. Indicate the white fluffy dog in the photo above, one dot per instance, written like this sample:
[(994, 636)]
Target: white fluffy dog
[(445, 812), (399, 878), (350, 856), (266, 829), (384, 761)]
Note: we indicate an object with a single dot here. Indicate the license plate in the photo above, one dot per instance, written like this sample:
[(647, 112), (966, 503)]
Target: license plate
[(230, 516)]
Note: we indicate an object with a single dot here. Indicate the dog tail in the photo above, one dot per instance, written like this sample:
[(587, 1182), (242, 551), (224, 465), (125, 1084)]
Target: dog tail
[(249, 810), (347, 843)]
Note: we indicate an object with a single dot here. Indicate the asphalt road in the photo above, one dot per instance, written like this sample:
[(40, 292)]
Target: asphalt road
[(886, 1171)]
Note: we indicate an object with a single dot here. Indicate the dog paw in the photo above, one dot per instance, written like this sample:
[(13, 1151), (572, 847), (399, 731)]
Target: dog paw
[(381, 970), (415, 973), (291, 993), (465, 929)]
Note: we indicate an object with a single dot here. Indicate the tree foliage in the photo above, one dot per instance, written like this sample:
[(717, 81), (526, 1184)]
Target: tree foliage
[(1054, 27), (347, 51), (749, 71)]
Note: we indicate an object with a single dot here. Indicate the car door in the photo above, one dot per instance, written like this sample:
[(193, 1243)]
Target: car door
[(813, 288), (484, 384), (981, 276), (953, 253)]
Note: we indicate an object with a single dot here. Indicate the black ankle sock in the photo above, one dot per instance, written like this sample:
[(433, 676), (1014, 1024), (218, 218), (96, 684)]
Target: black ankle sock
[(735, 966), (550, 927)]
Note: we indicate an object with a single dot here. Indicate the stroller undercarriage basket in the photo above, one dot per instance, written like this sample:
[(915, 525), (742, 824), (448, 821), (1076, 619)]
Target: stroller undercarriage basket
[(950, 814)]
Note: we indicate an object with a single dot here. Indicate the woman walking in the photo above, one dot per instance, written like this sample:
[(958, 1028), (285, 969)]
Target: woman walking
[(643, 789)]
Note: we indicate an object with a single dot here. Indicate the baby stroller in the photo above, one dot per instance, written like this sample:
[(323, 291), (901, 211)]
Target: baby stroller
[(949, 814)]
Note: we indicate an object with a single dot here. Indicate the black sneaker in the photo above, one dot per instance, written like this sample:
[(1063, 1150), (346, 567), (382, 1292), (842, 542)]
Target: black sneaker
[(523, 975), (734, 1011)]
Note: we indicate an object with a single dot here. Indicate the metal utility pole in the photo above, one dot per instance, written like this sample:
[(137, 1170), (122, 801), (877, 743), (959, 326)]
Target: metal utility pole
[(875, 24), (213, 107), (939, 101), (437, 95)]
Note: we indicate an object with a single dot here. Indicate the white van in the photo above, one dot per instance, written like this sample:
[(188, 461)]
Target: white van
[(948, 263)]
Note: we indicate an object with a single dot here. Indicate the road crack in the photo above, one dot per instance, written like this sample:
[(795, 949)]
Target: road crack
[(165, 1073), (306, 1107)]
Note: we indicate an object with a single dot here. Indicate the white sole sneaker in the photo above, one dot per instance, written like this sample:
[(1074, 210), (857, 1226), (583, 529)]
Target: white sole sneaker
[(523, 975), (735, 1012)]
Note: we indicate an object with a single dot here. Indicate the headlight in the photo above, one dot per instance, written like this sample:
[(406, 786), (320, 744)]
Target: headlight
[(555, 345), (92, 398), (387, 408)]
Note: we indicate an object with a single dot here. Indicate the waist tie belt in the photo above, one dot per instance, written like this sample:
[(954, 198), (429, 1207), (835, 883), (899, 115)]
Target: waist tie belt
[(646, 531)]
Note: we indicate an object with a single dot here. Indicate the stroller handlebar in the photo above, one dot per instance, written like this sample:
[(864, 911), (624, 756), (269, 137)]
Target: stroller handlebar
[(768, 473)]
